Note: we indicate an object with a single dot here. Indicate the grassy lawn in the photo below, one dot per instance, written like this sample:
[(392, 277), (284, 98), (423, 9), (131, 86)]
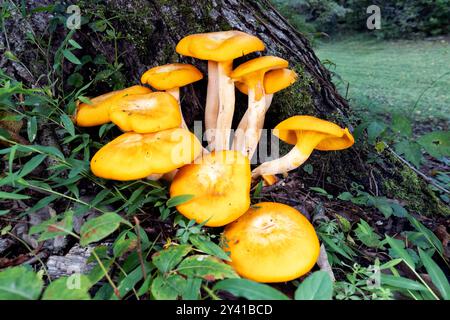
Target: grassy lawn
[(387, 75)]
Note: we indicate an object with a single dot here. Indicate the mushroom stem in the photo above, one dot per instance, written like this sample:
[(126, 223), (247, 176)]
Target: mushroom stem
[(306, 142), (243, 123), (154, 176), (212, 103), (175, 92), (226, 105), (256, 112)]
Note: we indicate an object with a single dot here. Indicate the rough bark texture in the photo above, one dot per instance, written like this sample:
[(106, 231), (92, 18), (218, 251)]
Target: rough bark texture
[(149, 32)]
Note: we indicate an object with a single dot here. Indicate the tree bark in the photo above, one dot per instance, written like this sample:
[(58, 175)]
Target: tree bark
[(150, 31)]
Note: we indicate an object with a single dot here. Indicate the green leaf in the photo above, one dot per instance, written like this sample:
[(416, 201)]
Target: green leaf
[(317, 286), (85, 100), (75, 44), (428, 234), (206, 267), (400, 282), (436, 274), (191, 289), (13, 196), (128, 283), (308, 168), (436, 143), (250, 290), (32, 128), (166, 260), (31, 165), (167, 288), (399, 248), (74, 287), (330, 243), (53, 228), (401, 125), (410, 151), (366, 234), (177, 200), (20, 283), (70, 56), (100, 227), (374, 130), (209, 247), (75, 80), (68, 124)]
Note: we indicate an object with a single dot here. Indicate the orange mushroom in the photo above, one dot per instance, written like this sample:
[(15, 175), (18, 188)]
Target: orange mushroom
[(220, 49), (220, 183), (134, 156), (146, 113), (97, 113), (271, 242), (306, 133), (170, 78)]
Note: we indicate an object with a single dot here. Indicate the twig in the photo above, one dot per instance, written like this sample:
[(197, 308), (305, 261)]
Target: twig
[(139, 248), (419, 173)]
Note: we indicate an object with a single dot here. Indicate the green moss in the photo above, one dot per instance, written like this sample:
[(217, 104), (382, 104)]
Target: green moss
[(415, 192)]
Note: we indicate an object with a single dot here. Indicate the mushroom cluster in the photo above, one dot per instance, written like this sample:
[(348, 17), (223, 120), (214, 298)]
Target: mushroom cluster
[(268, 242)]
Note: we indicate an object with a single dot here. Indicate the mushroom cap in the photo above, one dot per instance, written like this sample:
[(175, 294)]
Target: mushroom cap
[(219, 46), (271, 242), (97, 113), (274, 81), (260, 64), (134, 156), (171, 76), (146, 113), (338, 139), (220, 183)]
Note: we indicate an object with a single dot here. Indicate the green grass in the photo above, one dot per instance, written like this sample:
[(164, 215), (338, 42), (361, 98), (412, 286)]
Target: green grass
[(387, 75)]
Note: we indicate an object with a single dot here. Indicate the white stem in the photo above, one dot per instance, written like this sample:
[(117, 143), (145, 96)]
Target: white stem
[(175, 92), (293, 159), (240, 131), (256, 111), (226, 106), (154, 176), (212, 103)]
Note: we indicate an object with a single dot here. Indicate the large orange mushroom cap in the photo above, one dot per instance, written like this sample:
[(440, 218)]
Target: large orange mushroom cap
[(134, 156), (220, 183), (97, 113), (146, 113), (219, 46), (336, 138), (271, 242), (171, 76)]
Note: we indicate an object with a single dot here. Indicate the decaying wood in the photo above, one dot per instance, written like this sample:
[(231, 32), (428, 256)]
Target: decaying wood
[(75, 261)]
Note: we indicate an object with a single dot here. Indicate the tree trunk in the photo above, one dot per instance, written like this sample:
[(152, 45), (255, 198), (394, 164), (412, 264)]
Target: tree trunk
[(149, 32)]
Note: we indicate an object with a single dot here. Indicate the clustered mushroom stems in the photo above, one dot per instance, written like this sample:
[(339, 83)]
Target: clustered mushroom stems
[(175, 92), (212, 104)]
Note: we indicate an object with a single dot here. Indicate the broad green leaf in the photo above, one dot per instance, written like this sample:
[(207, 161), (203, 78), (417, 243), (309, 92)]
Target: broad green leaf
[(410, 151), (401, 125), (250, 290), (366, 234), (130, 281), (374, 130), (209, 247), (191, 289), (20, 283), (402, 283), (98, 228), (74, 287), (75, 44), (13, 196), (436, 274), (53, 228), (206, 267), (436, 143), (68, 124), (167, 288), (70, 56), (85, 100), (399, 248), (428, 234), (177, 200), (336, 248), (317, 286), (167, 259)]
